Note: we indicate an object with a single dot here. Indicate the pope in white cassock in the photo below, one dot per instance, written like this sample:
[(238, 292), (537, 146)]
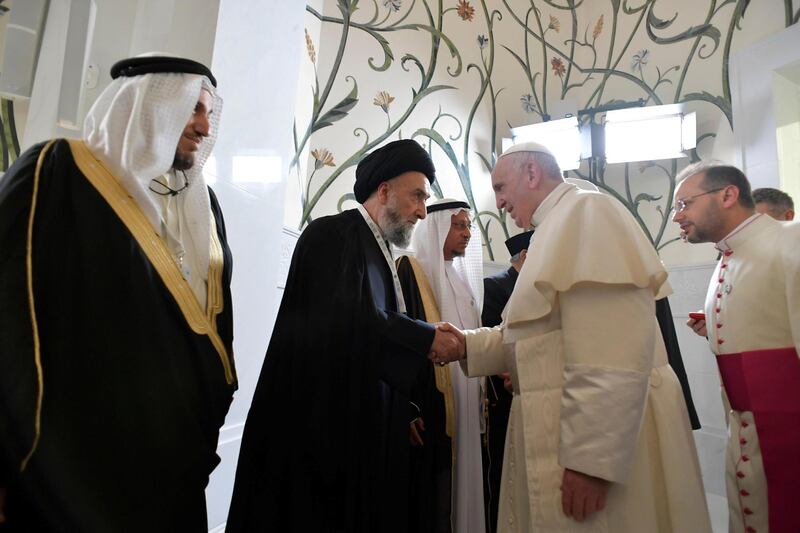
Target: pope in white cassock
[(598, 437), (445, 282)]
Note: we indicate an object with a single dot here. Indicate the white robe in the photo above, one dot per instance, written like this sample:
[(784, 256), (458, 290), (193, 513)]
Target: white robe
[(593, 389), (468, 516), (753, 304)]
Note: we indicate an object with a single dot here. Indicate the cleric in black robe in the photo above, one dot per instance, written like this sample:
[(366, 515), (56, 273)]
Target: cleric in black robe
[(114, 378), (325, 446), (497, 290)]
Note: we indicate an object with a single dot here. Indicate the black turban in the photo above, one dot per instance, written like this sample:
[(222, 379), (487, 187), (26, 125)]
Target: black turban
[(136, 66), (388, 162), (518, 242)]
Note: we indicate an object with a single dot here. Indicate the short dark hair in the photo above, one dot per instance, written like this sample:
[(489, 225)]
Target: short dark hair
[(773, 197), (717, 175)]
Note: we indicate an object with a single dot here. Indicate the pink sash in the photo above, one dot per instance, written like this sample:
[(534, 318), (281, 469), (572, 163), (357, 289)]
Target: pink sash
[(767, 383)]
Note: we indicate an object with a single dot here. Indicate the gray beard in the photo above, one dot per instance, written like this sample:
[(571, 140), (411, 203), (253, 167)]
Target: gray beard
[(395, 229)]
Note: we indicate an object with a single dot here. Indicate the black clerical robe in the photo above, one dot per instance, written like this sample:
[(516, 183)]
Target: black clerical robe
[(667, 326), (110, 422), (431, 465), (497, 290), (325, 446)]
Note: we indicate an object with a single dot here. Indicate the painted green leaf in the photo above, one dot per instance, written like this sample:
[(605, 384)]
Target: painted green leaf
[(705, 30), (433, 88), (659, 23), (485, 162), (644, 197), (345, 197), (718, 101), (339, 111), (388, 55)]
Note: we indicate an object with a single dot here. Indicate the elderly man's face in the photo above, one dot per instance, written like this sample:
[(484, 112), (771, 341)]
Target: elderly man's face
[(198, 127), (404, 197), (510, 181), (455, 244), (698, 211)]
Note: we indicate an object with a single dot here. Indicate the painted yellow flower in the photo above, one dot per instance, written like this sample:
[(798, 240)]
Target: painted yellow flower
[(383, 100), (322, 157), (312, 53), (598, 28), (465, 11), (554, 24), (558, 66)]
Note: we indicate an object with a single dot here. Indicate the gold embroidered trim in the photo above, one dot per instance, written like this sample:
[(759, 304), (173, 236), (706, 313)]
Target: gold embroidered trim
[(444, 381), (37, 351), (156, 251), (216, 262)]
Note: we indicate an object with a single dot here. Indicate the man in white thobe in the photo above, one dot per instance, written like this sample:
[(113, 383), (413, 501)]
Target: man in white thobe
[(598, 437), (752, 322), (448, 266)]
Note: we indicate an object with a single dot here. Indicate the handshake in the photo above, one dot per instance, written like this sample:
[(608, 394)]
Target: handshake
[(449, 344)]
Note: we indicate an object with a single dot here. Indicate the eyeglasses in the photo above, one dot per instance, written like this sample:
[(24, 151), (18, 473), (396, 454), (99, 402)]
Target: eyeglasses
[(681, 205), (462, 226), (162, 189)]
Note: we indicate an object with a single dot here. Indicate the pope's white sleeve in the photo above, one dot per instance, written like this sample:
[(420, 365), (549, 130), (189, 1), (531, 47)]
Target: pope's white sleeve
[(608, 333), (485, 352)]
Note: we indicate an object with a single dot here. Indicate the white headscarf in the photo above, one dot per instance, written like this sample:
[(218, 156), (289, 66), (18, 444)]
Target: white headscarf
[(428, 245), (134, 128)]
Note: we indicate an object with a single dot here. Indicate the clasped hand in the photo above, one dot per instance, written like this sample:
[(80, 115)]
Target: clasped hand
[(448, 344)]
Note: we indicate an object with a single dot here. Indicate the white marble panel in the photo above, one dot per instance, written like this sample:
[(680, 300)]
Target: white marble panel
[(257, 53)]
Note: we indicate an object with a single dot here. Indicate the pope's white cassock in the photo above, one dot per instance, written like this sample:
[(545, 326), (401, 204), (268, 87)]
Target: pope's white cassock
[(458, 288), (593, 391), (753, 323)]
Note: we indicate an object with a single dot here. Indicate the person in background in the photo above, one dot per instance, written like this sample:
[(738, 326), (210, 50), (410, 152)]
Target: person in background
[(497, 290), (443, 282), (774, 203)]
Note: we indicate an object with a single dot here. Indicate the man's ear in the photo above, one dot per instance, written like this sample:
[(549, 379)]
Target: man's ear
[(383, 192), (523, 255), (533, 174), (730, 196), (789, 215)]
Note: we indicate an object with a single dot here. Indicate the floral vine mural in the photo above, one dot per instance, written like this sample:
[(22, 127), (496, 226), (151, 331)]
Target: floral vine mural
[(456, 74)]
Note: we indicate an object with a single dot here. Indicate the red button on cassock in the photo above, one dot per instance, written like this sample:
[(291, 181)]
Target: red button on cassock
[(728, 253), (719, 295), (744, 424), (720, 341), (751, 529), (747, 511), (744, 492), (719, 325), (740, 475), (743, 441), (745, 458)]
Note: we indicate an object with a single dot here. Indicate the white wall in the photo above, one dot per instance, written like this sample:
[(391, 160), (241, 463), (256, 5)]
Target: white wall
[(752, 96), (256, 60), (120, 29)]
